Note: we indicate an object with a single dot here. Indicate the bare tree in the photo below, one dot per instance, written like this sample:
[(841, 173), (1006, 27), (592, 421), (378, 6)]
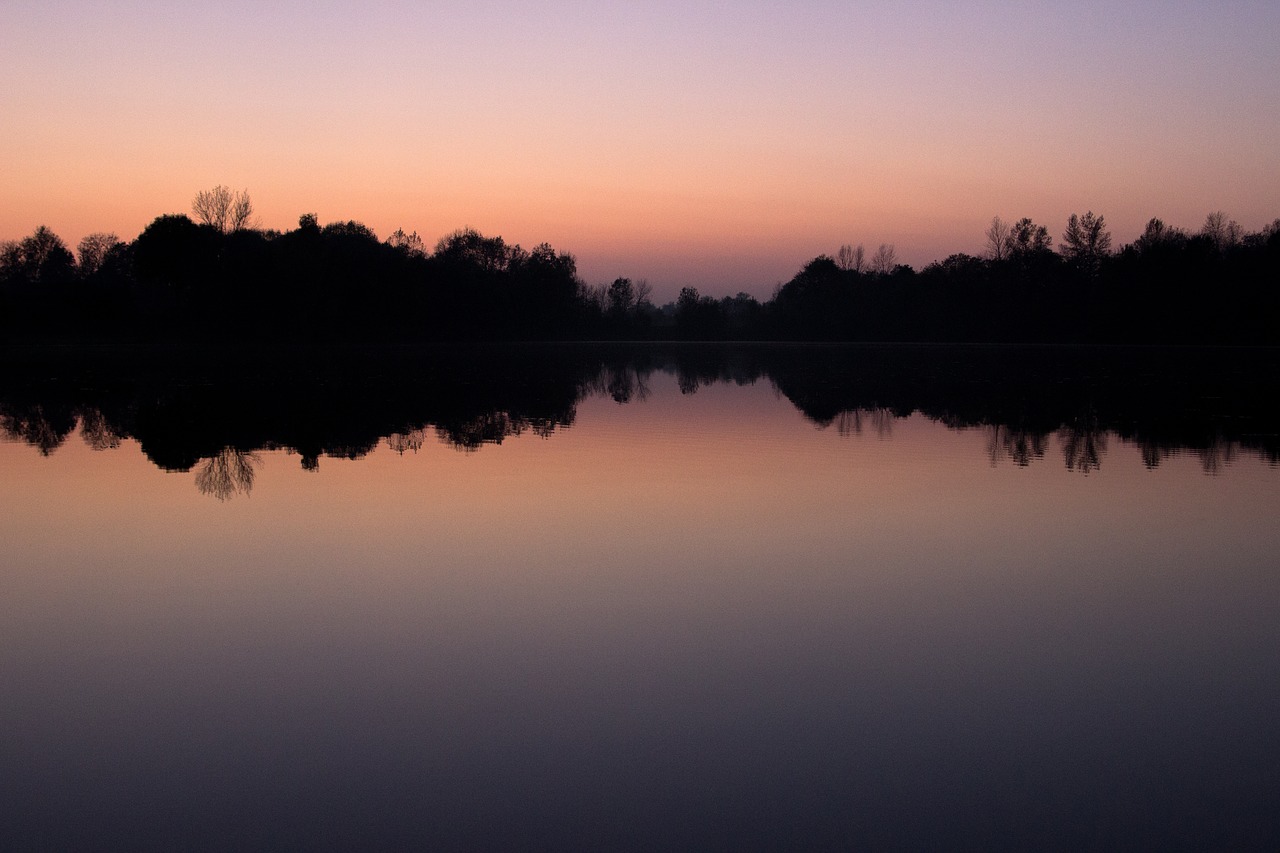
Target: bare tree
[(644, 290), (410, 244), (223, 208), (228, 473), (92, 251), (885, 259), (998, 233), (852, 258), (1224, 232), (241, 211)]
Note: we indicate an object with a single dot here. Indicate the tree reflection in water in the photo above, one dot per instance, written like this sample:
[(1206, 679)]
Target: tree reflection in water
[(852, 423), (1016, 444), (622, 384), (228, 473), (191, 415), (410, 441), (97, 432), (1084, 443), (42, 427), (1217, 456)]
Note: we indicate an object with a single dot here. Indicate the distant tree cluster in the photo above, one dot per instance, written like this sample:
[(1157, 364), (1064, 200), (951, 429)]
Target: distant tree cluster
[(217, 276), (1216, 285)]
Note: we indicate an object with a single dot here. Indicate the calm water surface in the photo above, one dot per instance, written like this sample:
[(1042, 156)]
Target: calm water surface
[(698, 620)]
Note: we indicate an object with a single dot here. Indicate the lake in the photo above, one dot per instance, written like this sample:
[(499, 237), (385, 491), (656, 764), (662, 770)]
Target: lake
[(640, 598)]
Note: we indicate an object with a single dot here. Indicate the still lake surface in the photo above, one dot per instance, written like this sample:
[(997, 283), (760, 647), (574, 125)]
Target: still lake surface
[(830, 598)]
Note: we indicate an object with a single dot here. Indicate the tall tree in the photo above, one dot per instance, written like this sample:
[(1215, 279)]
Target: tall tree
[(997, 246), (1086, 240), (852, 258), (885, 259), (621, 296), (1027, 238)]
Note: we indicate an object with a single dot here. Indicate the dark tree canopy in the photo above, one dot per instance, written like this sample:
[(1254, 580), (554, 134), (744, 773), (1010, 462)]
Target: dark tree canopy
[(41, 259)]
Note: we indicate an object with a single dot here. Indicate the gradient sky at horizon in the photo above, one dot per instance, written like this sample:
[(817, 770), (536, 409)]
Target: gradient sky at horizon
[(708, 143)]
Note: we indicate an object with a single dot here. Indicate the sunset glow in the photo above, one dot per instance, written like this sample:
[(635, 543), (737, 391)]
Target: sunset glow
[(685, 143)]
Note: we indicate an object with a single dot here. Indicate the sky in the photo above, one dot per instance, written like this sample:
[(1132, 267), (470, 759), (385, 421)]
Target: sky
[(713, 144)]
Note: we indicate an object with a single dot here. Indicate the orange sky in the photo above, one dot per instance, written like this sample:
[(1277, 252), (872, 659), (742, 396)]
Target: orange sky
[(689, 143)]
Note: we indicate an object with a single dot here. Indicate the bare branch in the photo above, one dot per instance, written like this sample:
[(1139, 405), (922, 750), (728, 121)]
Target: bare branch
[(92, 251), (997, 246), (224, 209), (885, 259)]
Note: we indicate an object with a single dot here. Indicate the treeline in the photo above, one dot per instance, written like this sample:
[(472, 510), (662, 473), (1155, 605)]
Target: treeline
[(219, 279), (181, 279), (1219, 285)]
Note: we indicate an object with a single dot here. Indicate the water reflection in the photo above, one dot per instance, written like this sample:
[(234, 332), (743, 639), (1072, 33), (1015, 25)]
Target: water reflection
[(227, 474), (213, 412), (783, 616), (39, 427), (1016, 444), (852, 422), (1083, 443)]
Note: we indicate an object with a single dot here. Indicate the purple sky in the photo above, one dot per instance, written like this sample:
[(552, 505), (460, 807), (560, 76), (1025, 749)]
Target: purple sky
[(715, 144)]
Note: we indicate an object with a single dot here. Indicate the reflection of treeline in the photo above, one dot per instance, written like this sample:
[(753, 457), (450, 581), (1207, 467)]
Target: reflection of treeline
[(212, 410), (1208, 401), (1212, 402), (215, 281), (188, 406)]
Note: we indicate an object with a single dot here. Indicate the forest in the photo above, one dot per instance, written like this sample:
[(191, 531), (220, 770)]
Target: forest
[(212, 276)]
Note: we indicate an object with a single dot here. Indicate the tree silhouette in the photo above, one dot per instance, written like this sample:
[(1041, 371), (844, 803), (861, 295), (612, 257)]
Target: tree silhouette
[(851, 258), (1157, 234), (410, 244), (176, 253), (1224, 233), (92, 251), (1086, 241), (1026, 239), (997, 235), (221, 280), (223, 208), (41, 259), (885, 259), (468, 247)]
